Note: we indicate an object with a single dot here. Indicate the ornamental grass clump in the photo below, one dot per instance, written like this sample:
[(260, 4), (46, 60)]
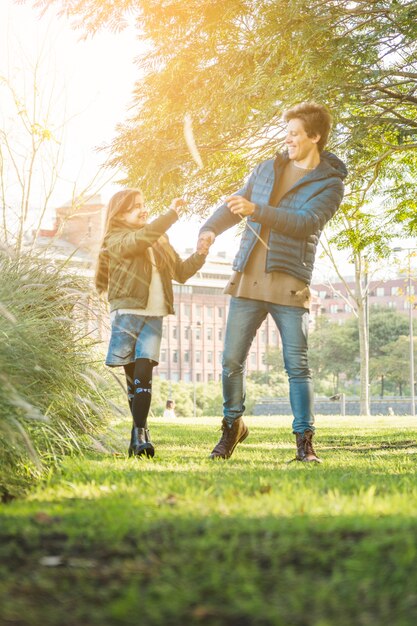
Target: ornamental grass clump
[(51, 399)]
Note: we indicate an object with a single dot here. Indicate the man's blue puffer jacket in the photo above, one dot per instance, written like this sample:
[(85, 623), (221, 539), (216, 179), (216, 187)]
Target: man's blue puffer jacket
[(295, 224)]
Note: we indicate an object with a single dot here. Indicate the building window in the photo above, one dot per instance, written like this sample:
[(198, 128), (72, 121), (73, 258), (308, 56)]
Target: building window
[(198, 332), (253, 358), (207, 290), (198, 356), (209, 357), (220, 311), (186, 332), (174, 332), (209, 312), (186, 310), (209, 334), (175, 356), (263, 336), (210, 377), (348, 309), (220, 357), (163, 356), (220, 334), (333, 308), (395, 291), (182, 288), (186, 356), (198, 312), (198, 377), (380, 291), (392, 304)]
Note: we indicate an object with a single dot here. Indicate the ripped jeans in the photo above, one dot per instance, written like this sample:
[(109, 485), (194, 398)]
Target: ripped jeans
[(244, 319)]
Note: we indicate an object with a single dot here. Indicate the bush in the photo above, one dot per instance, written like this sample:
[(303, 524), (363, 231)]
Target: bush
[(50, 400), (209, 396)]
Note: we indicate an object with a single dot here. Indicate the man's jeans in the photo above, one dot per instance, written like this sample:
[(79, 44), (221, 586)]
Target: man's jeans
[(244, 319)]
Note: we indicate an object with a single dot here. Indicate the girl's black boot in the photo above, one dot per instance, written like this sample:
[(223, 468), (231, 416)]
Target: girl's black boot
[(140, 443)]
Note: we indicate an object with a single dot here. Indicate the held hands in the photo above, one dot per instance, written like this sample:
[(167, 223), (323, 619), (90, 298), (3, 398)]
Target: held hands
[(178, 205), (240, 206), (205, 240)]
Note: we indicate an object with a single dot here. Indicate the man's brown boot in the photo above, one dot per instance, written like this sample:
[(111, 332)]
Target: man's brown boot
[(305, 450), (231, 436)]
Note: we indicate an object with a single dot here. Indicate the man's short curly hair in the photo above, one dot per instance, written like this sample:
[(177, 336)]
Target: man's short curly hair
[(316, 119)]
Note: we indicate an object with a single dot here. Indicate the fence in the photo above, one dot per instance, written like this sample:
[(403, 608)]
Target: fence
[(339, 406)]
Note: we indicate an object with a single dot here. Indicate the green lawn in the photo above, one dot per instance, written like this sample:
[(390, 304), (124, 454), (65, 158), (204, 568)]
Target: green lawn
[(184, 540)]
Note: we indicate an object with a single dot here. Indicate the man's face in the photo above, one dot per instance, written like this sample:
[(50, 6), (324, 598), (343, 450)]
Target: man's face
[(299, 144)]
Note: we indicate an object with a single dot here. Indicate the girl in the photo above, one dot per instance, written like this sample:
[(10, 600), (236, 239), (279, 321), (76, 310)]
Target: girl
[(136, 266)]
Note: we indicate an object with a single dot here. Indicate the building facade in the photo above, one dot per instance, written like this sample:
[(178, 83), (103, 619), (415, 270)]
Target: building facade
[(393, 294)]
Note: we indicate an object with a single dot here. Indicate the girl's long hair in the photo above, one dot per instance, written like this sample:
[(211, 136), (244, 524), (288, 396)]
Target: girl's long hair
[(121, 202)]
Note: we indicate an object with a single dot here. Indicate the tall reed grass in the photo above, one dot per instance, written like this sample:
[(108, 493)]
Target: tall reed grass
[(51, 397)]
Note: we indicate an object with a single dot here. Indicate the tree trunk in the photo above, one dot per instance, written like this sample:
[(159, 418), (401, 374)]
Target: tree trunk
[(361, 293)]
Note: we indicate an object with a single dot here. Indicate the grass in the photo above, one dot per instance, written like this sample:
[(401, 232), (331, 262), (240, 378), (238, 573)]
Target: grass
[(184, 540), (51, 399)]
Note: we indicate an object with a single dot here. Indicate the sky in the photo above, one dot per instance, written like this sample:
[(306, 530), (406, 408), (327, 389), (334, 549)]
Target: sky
[(91, 90)]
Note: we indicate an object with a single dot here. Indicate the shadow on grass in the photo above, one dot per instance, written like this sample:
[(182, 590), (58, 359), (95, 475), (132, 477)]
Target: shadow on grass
[(234, 571)]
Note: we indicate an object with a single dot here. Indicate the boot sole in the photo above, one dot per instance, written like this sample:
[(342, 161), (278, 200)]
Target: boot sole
[(148, 450), (242, 438), (305, 461)]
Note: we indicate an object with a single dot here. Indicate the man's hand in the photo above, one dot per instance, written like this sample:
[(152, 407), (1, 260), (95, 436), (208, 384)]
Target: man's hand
[(178, 205), (239, 205), (205, 240)]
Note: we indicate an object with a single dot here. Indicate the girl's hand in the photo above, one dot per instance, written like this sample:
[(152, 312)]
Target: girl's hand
[(178, 205), (205, 240)]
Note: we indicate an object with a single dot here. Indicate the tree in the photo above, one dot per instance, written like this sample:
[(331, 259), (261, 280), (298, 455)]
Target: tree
[(395, 361), (385, 328), (33, 128), (30, 153), (334, 350), (234, 66)]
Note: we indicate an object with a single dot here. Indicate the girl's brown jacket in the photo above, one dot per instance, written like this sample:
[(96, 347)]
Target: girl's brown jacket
[(125, 268)]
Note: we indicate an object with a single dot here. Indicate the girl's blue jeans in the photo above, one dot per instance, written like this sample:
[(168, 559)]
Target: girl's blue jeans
[(244, 319)]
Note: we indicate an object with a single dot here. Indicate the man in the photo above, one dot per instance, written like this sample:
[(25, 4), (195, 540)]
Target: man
[(287, 201)]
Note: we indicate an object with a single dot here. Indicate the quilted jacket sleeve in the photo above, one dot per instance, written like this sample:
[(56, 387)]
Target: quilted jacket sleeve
[(306, 220), (222, 218)]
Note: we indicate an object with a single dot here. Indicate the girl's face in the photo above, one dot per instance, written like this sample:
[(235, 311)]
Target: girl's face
[(137, 215)]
